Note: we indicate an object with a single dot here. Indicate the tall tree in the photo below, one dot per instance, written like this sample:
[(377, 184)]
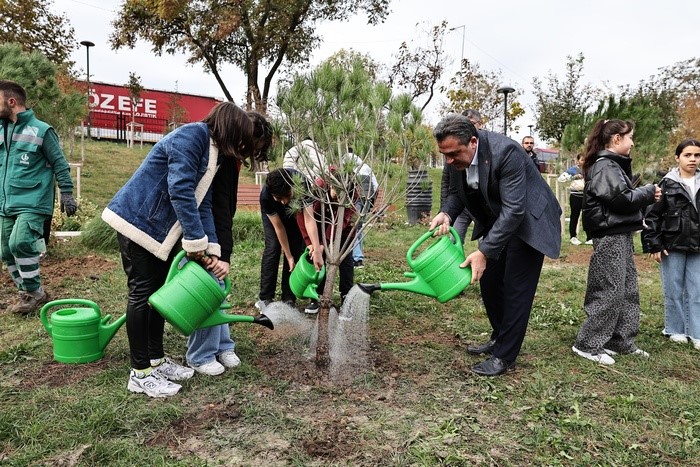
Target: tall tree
[(31, 24), (247, 33), (341, 106), (561, 100), (135, 89), (474, 88), (417, 70)]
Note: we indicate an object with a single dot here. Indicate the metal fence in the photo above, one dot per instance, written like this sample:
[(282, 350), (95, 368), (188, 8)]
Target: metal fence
[(114, 126)]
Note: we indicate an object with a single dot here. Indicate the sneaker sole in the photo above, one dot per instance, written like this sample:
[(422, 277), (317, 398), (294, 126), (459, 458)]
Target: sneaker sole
[(216, 372), (591, 358), (135, 388)]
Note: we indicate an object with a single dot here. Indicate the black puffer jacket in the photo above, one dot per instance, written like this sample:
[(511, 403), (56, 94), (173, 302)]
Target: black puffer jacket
[(673, 223), (611, 204)]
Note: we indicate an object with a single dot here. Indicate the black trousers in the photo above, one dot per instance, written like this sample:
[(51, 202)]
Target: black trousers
[(576, 203), (144, 326), (508, 289), (270, 263)]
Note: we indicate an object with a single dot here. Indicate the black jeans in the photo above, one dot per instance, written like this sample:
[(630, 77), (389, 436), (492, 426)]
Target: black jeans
[(269, 265), (144, 326), (576, 203)]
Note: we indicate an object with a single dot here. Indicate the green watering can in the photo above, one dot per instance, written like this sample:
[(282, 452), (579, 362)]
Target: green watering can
[(304, 279), (436, 272), (80, 335), (191, 299)]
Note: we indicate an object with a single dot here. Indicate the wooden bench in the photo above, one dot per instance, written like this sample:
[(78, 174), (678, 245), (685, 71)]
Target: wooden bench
[(248, 197)]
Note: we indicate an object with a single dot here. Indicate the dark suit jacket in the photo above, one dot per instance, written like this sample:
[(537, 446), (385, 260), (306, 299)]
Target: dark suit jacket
[(518, 202)]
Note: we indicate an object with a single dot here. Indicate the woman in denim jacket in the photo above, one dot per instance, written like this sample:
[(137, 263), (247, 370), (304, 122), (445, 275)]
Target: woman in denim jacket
[(672, 238), (168, 201)]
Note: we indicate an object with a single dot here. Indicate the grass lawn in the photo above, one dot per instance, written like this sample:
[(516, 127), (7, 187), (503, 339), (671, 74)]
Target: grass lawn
[(416, 402)]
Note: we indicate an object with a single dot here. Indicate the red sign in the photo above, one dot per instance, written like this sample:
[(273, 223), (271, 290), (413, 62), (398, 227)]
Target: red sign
[(114, 99)]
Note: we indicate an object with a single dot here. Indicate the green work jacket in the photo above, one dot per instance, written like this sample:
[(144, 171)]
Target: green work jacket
[(30, 157)]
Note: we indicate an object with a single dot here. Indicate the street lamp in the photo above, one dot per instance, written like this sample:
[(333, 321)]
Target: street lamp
[(505, 90), (87, 45), (530, 127), (464, 32)]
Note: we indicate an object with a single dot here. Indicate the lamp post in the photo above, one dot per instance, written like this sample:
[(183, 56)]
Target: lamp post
[(505, 90), (464, 32), (530, 127), (87, 45)]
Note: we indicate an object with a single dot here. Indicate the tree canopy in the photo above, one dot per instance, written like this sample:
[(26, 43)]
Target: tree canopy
[(249, 34), (417, 70), (474, 88), (561, 100), (40, 78), (31, 24)]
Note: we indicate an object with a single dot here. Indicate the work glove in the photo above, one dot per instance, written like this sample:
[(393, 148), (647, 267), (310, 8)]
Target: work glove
[(68, 204)]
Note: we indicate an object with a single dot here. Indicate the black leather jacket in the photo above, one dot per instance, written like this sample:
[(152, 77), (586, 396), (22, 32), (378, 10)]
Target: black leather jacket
[(611, 204), (673, 223)]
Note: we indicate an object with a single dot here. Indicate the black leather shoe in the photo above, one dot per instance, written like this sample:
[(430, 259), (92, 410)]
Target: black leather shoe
[(494, 366), (483, 348)]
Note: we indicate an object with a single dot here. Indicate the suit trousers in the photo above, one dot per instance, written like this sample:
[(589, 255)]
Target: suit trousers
[(508, 289)]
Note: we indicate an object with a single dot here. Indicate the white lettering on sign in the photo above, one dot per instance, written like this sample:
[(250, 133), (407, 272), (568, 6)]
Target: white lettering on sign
[(105, 101), (149, 106), (124, 104)]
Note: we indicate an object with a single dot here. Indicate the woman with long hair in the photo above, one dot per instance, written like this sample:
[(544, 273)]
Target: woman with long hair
[(612, 212), (165, 206)]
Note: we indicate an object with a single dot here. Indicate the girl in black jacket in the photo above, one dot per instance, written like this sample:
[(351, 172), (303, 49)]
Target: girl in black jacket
[(611, 214), (672, 238)]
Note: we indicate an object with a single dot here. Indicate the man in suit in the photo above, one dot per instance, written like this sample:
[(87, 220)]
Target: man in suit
[(516, 219)]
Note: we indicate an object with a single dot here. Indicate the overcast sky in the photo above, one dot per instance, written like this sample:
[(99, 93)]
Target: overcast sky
[(624, 41)]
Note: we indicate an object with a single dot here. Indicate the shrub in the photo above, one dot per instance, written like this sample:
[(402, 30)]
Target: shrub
[(98, 235)]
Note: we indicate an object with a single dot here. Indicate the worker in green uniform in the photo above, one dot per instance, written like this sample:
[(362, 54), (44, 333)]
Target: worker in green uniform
[(30, 158)]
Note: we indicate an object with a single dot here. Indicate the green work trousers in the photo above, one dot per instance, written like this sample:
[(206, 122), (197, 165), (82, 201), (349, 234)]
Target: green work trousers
[(21, 243)]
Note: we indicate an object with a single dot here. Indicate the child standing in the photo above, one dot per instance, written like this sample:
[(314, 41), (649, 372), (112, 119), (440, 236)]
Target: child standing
[(612, 212), (672, 238)]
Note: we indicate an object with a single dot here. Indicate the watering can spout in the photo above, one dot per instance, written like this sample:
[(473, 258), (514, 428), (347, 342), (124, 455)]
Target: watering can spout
[(264, 321), (417, 285), (107, 331), (369, 288), (220, 317)]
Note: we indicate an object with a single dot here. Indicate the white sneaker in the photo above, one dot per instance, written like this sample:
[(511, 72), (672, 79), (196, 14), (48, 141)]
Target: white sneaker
[(171, 370), (229, 359), (153, 385), (589, 242), (637, 352), (311, 308), (212, 368), (575, 241), (678, 338), (603, 358)]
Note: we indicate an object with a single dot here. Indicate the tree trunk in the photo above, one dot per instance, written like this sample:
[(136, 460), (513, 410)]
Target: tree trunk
[(323, 357)]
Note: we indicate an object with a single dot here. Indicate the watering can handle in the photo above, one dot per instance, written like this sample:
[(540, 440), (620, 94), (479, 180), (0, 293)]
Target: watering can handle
[(175, 268), (65, 301), (424, 237)]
